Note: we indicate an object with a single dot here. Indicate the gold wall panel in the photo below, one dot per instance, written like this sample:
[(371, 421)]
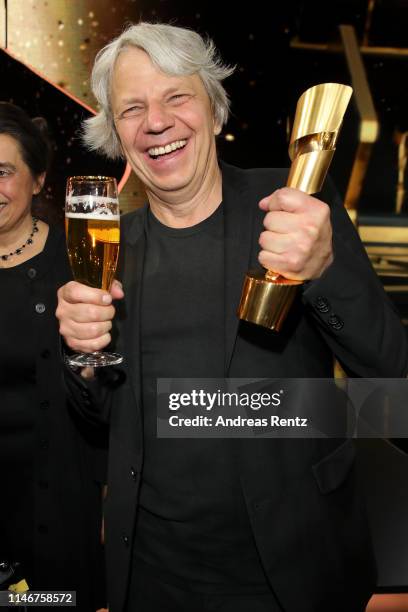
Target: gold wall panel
[(59, 39), (369, 124)]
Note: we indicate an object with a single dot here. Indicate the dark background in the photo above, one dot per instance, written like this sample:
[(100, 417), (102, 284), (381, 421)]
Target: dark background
[(269, 78)]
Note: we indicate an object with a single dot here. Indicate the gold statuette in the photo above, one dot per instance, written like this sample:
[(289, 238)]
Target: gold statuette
[(267, 296)]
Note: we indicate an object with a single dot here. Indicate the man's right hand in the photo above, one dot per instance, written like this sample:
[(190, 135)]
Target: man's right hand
[(85, 315)]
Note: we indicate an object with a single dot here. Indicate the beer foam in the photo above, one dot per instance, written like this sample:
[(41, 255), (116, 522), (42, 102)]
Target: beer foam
[(96, 216), (89, 206), (93, 200)]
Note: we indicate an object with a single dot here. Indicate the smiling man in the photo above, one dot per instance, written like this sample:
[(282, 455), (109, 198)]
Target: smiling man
[(214, 524), (166, 128)]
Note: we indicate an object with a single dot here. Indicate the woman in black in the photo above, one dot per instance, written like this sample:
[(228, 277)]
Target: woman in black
[(50, 509)]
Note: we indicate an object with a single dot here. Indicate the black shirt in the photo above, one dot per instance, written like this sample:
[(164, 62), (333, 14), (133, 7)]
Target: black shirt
[(192, 522)]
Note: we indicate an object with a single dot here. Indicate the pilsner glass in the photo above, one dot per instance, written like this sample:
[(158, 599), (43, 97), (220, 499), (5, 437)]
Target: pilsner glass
[(92, 232)]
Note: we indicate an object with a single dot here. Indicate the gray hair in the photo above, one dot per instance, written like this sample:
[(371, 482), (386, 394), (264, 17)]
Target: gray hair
[(175, 51)]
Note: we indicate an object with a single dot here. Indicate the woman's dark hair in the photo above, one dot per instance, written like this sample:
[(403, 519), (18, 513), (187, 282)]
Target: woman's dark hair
[(35, 147)]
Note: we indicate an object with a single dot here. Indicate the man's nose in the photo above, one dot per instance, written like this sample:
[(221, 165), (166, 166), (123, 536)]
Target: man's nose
[(158, 119)]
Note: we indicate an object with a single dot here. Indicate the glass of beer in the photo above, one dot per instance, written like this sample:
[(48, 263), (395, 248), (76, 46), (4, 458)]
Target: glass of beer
[(92, 232)]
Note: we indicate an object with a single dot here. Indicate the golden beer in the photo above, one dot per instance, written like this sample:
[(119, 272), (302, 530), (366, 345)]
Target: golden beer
[(93, 247), (92, 219)]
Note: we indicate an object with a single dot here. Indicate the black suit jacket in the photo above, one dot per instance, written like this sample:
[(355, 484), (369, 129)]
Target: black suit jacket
[(305, 512)]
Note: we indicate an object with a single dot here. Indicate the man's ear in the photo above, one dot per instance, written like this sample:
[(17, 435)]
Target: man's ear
[(119, 142), (217, 128), (39, 183)]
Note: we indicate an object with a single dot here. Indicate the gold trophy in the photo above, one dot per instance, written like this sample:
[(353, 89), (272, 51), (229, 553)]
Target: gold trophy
[(267, 296)]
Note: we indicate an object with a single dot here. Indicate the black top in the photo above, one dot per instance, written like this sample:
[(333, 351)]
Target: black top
[(192, 523), (17, 367), (48, 459), (18, 412)]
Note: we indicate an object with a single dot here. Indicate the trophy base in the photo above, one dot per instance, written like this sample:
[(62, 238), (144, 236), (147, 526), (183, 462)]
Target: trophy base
[(266, 302)]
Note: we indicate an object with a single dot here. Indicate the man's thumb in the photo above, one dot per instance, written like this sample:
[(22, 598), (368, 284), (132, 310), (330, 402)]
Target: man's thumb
[(116, 290)]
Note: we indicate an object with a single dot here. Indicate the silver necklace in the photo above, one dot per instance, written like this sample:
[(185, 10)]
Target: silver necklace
[(23, 246)]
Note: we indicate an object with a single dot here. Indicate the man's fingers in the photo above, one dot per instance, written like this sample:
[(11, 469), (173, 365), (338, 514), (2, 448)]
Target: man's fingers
[(275, 243), (85, 313), (286, 199), (116, 290), (281, 222), (75, 293), (85, 331), (290, 266), (89, 346)]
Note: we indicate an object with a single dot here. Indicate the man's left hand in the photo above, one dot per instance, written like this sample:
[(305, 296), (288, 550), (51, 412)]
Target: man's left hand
[(297, 241)]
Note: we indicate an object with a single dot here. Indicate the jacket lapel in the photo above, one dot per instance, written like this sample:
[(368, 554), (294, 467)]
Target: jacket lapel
[(238, 222), (132, 275)]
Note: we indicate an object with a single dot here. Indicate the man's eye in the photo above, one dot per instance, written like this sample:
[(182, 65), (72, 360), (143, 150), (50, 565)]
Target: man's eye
[(178, 98), (131, 111), (4, 173)]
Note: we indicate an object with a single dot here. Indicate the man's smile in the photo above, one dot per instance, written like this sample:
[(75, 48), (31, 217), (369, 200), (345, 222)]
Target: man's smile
[(157, 152)]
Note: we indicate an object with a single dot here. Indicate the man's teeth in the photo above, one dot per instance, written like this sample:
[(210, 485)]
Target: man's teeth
[(156, 151)]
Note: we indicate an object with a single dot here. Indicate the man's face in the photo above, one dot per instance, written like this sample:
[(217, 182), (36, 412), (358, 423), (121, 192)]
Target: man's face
[(165, 125)]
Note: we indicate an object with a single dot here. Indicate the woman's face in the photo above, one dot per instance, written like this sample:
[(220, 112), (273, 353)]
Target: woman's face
[(17, 185)]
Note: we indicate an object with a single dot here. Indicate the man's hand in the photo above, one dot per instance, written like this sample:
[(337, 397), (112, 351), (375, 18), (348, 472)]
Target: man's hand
[(297, 241), (85, 315)]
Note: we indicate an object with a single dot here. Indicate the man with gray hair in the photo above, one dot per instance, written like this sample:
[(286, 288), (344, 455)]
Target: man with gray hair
[(217, 524)]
